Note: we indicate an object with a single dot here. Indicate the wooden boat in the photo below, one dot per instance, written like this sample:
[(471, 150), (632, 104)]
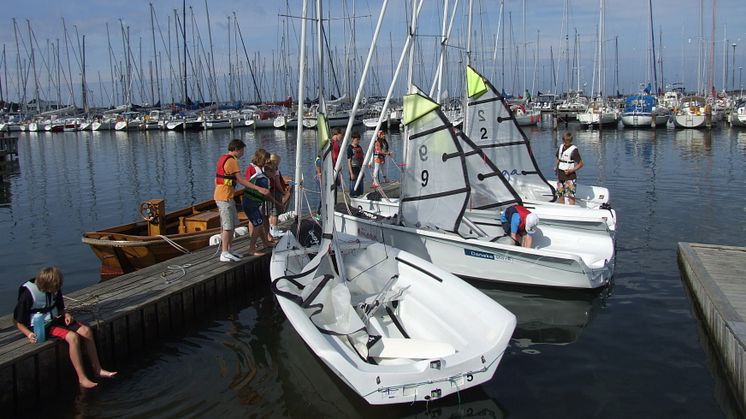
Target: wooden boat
[(158, 237)]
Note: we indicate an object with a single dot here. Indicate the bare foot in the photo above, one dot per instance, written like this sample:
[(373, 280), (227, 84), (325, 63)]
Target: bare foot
[(107, 374), (87, 383)]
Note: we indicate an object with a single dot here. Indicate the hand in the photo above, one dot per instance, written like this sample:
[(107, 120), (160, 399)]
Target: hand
[(32, 337), (69, 319)]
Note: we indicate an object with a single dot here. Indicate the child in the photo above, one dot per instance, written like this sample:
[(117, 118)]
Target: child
[(252, 200), (355, 155), (43, 294), (380, 151), (280, 193)]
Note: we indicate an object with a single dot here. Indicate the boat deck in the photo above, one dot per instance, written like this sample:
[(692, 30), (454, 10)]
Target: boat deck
[(714, 276), (127, 314)]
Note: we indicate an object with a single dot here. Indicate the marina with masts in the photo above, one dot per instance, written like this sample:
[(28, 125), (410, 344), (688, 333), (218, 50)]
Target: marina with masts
[(416, 287)]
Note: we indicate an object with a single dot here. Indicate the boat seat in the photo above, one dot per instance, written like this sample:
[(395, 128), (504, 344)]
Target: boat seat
[(383, 347)]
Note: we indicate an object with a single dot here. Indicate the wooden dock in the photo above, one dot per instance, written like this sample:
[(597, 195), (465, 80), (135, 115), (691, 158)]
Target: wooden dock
[(715, 277), (126, 314)]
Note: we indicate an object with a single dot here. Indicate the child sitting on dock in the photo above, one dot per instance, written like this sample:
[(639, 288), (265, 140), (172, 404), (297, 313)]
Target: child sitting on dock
[(43, 294)]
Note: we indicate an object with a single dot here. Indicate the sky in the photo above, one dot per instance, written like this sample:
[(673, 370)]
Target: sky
[(271, 36)]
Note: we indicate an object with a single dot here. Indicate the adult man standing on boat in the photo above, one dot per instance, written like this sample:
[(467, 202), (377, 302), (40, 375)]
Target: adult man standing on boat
[(567, 163), (227, 176)]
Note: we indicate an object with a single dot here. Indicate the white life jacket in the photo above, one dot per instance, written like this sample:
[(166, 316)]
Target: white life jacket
[(565, 158), (44, 302)]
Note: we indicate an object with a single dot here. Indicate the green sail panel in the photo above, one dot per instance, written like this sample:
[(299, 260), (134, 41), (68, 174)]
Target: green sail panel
[(322, 130), (474, 83), (416, 106)]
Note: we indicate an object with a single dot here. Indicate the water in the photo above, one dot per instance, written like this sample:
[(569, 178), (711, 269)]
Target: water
[(636, 350)]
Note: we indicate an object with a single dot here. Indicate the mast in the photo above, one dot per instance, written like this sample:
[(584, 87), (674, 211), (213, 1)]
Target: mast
[(183, 39), (230, 65), (248, 61), (652, 40), (67, 56), (33, 66), (213, 81), (84, 85), (155, 58), (465, 106), (114, 99), (299, 130)]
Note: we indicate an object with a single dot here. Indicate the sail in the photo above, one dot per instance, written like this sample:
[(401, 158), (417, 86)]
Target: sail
[(490, 188), (435, 186), (493, 129), (328, 187)]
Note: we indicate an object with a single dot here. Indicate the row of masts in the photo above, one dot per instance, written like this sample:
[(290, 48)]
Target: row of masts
[(183, 70)]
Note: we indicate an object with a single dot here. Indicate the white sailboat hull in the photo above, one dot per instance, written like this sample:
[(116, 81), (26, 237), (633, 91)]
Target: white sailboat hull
[(441, 336), (689, 121), (597, 118), (570, 259)]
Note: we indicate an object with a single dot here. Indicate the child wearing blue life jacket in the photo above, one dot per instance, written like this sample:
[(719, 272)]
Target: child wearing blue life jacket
[(43, 295)]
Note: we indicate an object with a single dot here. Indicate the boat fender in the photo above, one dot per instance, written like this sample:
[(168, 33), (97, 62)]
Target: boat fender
[(240, 231), (215, 240)]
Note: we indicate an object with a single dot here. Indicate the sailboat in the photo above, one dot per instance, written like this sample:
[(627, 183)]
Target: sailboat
[(391, 326), (599, 112), (433, 222), (505, 150)]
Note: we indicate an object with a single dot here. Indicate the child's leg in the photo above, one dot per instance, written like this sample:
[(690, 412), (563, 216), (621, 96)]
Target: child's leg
[(76, 357), (90, 345)]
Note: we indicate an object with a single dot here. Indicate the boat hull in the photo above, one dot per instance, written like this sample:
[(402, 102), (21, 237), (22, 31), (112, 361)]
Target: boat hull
[(435, 309), (490, 261), (128, 248)]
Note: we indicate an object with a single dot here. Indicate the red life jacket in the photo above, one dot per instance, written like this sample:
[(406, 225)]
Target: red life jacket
[(220, 177), (522, 211)]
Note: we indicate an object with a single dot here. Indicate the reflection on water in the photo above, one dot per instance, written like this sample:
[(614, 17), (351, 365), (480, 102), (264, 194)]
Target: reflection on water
[(741, 140), (693, 143), (547, 316)]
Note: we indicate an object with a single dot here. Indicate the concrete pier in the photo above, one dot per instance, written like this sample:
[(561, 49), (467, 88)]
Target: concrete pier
[(126, 314), (716, 278)]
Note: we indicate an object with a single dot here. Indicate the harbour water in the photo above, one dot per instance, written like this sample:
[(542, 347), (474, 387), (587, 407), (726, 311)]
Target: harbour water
[(634, 350)]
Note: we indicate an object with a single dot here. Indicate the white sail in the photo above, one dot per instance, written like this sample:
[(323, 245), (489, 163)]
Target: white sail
[(435, 187), (493, 128)]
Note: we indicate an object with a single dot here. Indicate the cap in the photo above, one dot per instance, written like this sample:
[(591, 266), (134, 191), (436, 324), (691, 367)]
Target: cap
[(531, 222)]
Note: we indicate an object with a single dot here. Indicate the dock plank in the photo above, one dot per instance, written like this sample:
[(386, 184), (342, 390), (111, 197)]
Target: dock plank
[(714, 277)]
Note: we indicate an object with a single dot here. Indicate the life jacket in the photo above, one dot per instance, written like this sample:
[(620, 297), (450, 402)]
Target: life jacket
[(565, 158), (221, 178), (258, 178), (522, 211), (44, 302), (357, 156)]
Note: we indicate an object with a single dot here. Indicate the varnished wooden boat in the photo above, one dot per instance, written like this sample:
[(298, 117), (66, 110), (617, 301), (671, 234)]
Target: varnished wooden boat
[(158, 237)]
